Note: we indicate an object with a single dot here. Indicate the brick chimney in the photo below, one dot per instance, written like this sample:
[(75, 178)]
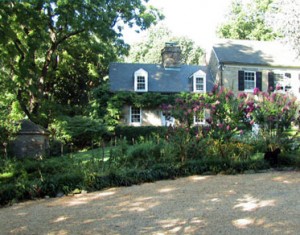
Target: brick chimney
[(171, 55)]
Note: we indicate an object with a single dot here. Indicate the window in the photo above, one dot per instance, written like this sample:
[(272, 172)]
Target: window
[(199, 81), (199, 84), (135, 115), (282, 81), (141, 81), (199, 118), (248, 80)]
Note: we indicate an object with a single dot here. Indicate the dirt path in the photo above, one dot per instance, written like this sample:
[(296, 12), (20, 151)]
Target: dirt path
[(266, 203)]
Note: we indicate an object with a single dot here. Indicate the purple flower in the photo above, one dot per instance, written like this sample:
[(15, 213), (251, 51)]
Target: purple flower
[(242, 95), (220, 125)]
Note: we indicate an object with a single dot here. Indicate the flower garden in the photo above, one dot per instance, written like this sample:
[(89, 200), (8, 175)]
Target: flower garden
[(245, 133)]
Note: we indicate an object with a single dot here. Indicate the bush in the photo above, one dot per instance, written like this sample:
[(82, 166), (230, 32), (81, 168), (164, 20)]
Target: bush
[(133, 134), (82, 131), (144, 155)]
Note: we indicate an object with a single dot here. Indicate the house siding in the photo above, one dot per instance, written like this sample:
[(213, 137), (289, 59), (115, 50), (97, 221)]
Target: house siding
[(230, 77), (150, 117)]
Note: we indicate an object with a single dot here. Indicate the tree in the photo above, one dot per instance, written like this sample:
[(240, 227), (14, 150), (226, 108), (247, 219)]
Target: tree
[(149, 50), (284, 17), (51, 48), (247, 20)]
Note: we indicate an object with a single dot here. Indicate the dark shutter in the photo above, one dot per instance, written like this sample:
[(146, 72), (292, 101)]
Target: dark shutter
[(288, 75), (271, 81), (241, 81), (259, 80)]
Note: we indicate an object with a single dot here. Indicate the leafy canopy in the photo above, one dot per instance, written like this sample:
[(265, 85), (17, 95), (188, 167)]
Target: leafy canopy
[(247, 20), (52, 50), (149, 50)]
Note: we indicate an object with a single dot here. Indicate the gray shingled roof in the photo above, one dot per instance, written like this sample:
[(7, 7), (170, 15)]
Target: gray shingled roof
[(121, 76), (28, 127), (270, 53)]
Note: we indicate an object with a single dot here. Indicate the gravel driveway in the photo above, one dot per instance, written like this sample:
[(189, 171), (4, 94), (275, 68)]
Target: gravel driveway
[(265, 203)]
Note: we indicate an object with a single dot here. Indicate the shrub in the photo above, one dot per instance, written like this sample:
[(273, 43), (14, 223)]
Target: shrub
[(82, 131), (144, 155), (133, 134)]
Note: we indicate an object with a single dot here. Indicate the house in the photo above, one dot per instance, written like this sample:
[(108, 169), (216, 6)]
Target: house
[(239, 65), (242, 65), (170, 77)]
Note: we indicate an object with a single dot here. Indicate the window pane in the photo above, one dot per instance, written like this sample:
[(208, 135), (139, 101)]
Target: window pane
[(141, 83), (249, 80), (199, 84), (135, 115)]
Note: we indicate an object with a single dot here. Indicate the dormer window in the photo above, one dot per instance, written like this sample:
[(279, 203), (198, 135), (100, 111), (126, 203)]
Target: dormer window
[(141, 81), (199, 82)]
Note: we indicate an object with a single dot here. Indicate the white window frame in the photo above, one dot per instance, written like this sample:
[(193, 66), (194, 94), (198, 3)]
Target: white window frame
[(251, 89), (140, 73), (131, 116), (199, 74), (199, 122)]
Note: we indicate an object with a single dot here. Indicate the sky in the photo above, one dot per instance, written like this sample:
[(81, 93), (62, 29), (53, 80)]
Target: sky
[(195, 19)]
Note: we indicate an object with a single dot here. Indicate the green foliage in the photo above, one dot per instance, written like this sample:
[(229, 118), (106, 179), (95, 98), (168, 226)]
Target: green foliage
[(143, 100), (226, 146), (149, 50), (80, 130), (247, 20), (134, 134), (53, 52), (274, 113)]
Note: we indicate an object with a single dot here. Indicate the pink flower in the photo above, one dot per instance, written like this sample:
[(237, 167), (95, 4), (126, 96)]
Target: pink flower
[(215, 88), (241, 132), (251, 122), (256, 91), (228, 128), (278, 87)]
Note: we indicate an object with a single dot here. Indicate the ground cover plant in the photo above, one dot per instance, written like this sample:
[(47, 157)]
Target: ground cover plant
[(227, 144)]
